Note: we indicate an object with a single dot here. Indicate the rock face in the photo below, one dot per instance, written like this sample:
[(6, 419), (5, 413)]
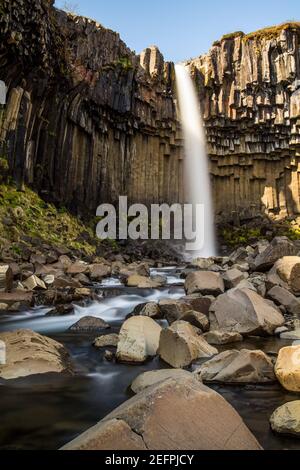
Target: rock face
[(82, 107), (28, 353), (238, 367), (287, 368), (177, 414), (245, 312), (180, 345), (138, 339), (286, 419)]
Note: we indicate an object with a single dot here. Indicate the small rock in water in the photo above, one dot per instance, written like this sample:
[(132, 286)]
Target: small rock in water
[(106, 341), (287, 368), (238, 367), (292, 335), (60, 310), (150, 309), (109, 356), (220, 337), (281, 329), (286, 419), (180, 345), (89, 325)]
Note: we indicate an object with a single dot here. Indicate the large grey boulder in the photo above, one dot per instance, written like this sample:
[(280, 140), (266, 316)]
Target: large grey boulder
[(245, 312), (29, 353), (89, 324), (238, 367), (176, 414), (279, 247), (138, 339), (286, 272), (180, 345), (233, 277), (173, 310), (287, 368), (204, 282), (6, 278), (220, 337)]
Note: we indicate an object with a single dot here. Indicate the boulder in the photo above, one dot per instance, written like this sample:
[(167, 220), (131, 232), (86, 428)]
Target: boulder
[(291, 335), (205, 282), (105, 341), (280, 247), (175, 414), (287, 368), (245, 312), (286, 419), (199, 303), (197, 319), (147, 379), (203, 263), (150, 309), (29, 353), (180, 345), (17, 296), (34, 283), (99, 271), (89, 325), (6, 278), (219, 337), (65, 282), (138, 339), (173, 310), (143, 282), (238, 367), (232, 278), (283, 297), (288, 271), (78, 268)]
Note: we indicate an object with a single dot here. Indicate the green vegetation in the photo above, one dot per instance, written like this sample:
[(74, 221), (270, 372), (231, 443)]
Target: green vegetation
[(125, 63), (233, 35), (240, 236), (271, 32), (25, 213)]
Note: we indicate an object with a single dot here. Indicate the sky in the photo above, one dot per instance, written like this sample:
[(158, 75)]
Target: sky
[(184, 28)]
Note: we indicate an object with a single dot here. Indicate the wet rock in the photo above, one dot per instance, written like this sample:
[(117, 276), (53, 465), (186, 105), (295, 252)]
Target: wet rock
[(49, 280), (34, 283), (61, 310), (287, 368), (147, 379), (286, 419), (25, 298), (89, 324), (64, 282), (28, 353), (283, 297), (219, 337), (197, 319), (232, 278), (203, 263), (149, 309), (238, 367), (138, 339), (173, 310), (281, 329), (109, 356), (174, 414), (205, 282), (83, 279), (278, 248), (106, 341), (6, 278), (180, 345), (245, 312)]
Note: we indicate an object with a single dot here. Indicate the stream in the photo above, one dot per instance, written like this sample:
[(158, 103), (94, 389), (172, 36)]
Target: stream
[(47, 411)]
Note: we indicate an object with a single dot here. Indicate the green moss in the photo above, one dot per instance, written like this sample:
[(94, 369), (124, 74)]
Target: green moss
[(33, 217), (234, 35), (240, 236), (272, 32), (125, 63)]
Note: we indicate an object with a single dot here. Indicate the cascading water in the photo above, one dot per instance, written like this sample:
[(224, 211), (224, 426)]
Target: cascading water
[(197, 178)]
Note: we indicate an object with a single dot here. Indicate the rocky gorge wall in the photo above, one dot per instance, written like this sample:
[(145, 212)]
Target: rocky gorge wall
[(88, 120)]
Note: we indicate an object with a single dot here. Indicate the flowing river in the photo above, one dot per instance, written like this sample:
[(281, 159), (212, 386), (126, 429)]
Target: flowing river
[(47, 411)]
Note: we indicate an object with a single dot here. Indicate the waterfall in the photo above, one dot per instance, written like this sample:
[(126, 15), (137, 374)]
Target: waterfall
[(196, 171)]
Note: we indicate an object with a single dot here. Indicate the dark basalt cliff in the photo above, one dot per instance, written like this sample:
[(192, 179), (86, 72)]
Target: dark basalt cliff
[(88, 120)]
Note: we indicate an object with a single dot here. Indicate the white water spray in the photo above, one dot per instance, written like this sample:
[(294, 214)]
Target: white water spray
[(197, 178)]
